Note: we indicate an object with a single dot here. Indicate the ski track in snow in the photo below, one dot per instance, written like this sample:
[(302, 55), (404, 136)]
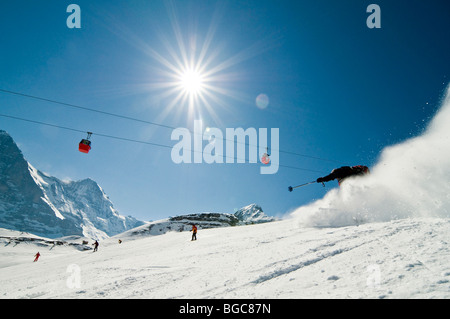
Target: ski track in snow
[(407, 258)]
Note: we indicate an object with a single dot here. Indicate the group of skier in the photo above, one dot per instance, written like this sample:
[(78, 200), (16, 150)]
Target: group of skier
[(96, 244), (340, 174), (39, 255)]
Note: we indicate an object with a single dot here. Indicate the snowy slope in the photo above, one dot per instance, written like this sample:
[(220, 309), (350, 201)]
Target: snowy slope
[(251, 214), (182, 223), (408, 258)]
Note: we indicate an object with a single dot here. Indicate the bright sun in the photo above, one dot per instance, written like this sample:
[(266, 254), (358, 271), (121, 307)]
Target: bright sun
[(192, 75), (192, 82)]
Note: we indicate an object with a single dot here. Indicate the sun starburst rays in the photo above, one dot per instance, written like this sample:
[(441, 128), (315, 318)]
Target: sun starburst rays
[(188, 82), (190, 74)]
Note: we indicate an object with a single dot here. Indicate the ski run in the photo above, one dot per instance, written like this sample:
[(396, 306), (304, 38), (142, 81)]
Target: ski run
[(405, 258)]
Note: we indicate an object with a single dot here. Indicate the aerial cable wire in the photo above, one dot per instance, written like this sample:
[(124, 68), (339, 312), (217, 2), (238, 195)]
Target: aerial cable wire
[(133, 140), (140, 120), (85, 108)]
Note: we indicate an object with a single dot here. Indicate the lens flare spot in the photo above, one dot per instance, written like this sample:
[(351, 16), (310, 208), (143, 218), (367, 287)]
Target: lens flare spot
[(262, 101)]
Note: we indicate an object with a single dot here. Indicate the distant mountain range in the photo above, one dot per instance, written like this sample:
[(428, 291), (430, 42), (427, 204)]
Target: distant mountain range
[(34, 202), (251, 214)]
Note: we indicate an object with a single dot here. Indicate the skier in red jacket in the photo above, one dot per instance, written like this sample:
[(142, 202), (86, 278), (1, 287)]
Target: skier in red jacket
[(37, 256), (194, 232)]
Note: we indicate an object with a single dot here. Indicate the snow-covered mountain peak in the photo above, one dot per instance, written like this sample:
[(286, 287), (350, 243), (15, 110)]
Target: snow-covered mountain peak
[(39, 203), (252, 213)]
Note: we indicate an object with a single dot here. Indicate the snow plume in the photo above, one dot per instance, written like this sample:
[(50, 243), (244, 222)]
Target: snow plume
[(411, 179)]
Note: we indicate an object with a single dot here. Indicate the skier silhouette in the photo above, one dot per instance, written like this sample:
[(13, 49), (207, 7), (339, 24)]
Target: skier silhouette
[(194, 232), (37, 257), (343, 173), (95, 246)]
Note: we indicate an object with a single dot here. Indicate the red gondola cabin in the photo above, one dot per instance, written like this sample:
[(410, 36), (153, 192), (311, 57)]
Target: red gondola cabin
[(84, 146)]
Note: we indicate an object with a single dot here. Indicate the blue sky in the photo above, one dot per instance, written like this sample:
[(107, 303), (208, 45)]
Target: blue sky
[(339, 92)]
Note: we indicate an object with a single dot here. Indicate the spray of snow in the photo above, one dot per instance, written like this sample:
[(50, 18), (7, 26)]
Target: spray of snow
[(411, 179)]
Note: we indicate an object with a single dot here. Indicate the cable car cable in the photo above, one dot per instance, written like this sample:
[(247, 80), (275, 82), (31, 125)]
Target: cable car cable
[(132, 140), (142, 121)]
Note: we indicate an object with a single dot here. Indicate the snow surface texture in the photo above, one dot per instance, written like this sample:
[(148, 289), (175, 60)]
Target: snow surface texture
[(407, 258), (411, 179)]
